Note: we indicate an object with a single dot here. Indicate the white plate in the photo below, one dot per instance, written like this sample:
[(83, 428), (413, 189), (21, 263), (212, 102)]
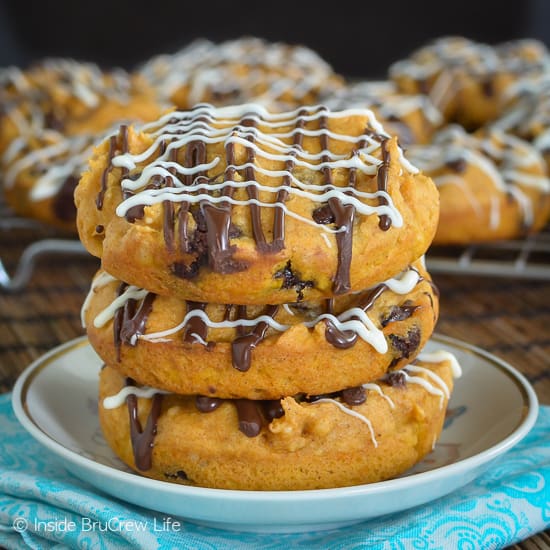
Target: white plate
[(492, 408)]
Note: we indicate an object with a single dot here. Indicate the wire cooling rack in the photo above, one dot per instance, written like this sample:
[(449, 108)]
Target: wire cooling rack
[(527, 258), (42, 242)]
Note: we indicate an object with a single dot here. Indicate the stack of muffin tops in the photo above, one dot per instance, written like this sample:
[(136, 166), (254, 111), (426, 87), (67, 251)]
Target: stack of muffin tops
[(263, 304)]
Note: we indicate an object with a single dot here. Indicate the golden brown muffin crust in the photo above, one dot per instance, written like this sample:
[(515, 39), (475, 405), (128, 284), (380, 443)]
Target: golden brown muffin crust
[(322, 240), (313, 445), (312, 347)]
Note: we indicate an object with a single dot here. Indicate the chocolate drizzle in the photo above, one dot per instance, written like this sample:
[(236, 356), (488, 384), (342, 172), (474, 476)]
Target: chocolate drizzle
[(242, 346), (382, 181), (279, 218), (101, 195), (211, 243), (251, 414), (143, 438), (169, 213), (255, 211), (218, 223), (114, 148), (195, 327), (400, 313), (344, 339), (250, 419), (130, 320), (343, 218), (195, 154), (341, 339)]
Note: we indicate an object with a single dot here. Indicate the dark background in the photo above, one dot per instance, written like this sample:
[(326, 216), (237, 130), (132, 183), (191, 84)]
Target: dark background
[(359, 39)]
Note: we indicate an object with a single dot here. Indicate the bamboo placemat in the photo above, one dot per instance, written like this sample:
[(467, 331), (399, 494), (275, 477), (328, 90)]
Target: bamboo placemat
[(507, 317)]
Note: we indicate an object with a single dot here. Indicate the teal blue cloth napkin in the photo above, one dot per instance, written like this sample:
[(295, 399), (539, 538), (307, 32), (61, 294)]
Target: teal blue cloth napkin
[(42, 506)]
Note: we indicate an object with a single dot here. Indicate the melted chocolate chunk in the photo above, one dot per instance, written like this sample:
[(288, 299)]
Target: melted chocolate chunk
[(341, 339), (220, 252), (354, 396), (457, 165), (250, 419), (399, 313), (180, 474), (408, 344), (63, 203), (207, 404), (184, 271), (292, 280), (323, 215), (99, 229), (273, 409), (199, 246), (135, 213), (226, 94), (54, 121), (350, 396), (395, 379)]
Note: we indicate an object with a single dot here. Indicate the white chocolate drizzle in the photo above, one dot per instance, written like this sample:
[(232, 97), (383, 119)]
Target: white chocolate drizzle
[(354, 319), (147, 392), (426, 384), (504, 159), (102, 279), (115, 401), (207, 124), (350, 412), (130, 293), (472, 58), (87, 82), (440, 356), (528, 111), (273, 72), (376, 388), (384, 98)]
